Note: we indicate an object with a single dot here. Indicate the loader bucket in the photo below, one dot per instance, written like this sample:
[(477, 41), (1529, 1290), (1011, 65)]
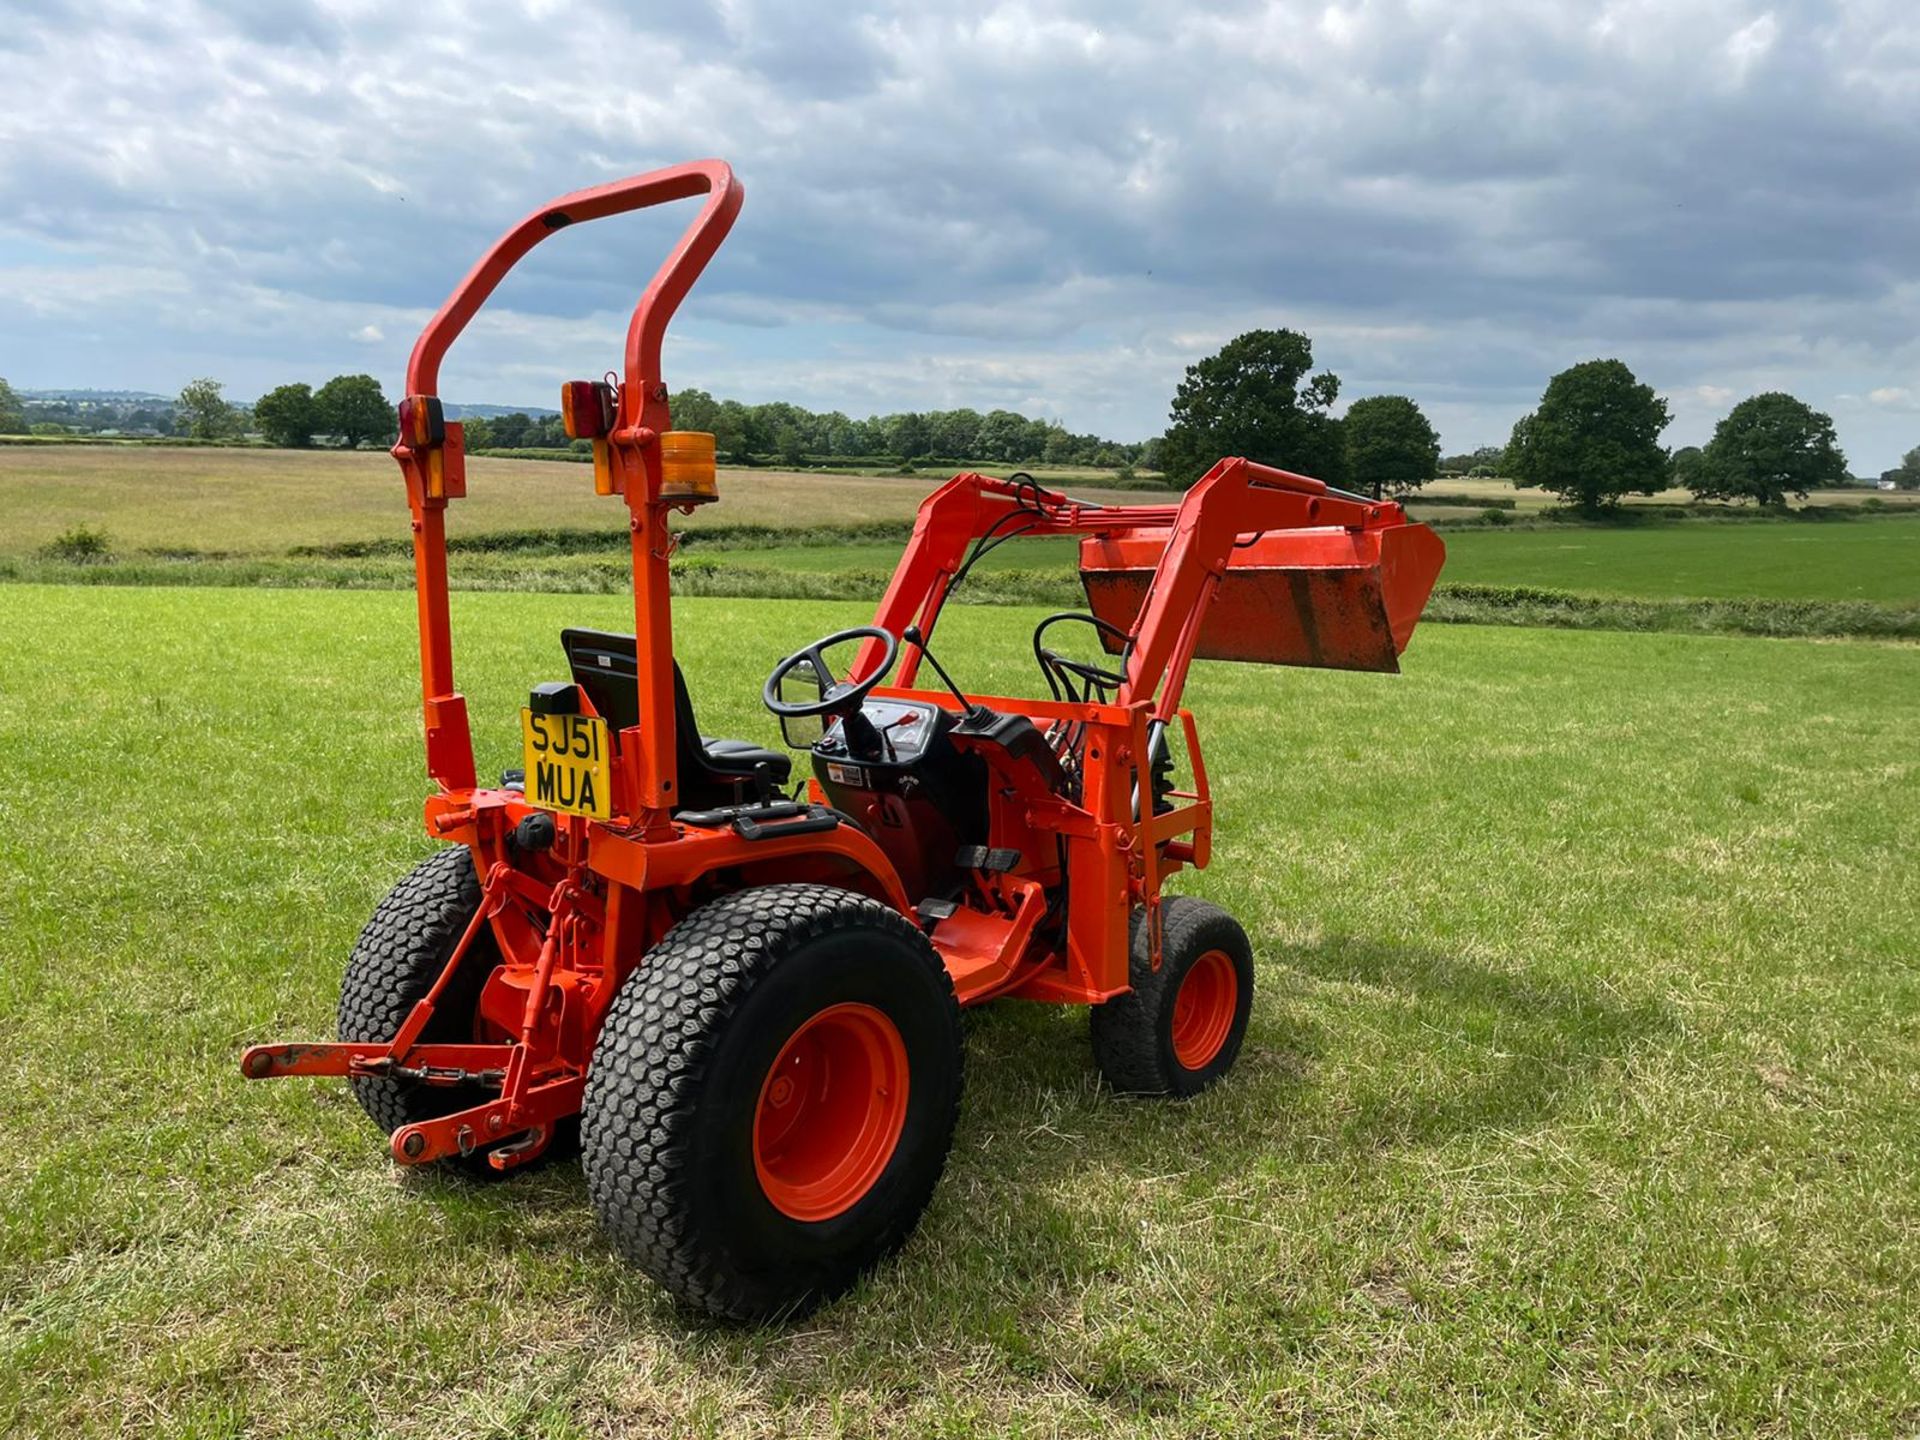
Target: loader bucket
[(1332, 598)]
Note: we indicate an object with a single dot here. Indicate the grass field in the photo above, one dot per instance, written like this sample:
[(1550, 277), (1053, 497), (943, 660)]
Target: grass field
[(256, 505), (1582, 1093), (253, 502), (1866, 560), (1531, 502), (1869, 560)]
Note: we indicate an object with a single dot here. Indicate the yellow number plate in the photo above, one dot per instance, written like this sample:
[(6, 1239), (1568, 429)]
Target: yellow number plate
[(567, 765)]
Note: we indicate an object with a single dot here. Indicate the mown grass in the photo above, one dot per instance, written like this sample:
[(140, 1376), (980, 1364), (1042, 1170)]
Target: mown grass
[(1580, 1096), (1875, 560), (761, 571), (1530, 502), (1865, 560)]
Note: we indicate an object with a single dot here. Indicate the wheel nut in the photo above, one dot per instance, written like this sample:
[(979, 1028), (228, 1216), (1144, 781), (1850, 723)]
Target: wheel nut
[(781, 1091)]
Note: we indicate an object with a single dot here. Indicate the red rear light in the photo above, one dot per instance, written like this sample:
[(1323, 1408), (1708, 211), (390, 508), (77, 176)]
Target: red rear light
[(587, 408), (423, 421)]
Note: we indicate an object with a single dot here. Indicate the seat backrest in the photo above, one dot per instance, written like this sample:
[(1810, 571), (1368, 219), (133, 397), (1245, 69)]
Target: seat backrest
[(606, 665)]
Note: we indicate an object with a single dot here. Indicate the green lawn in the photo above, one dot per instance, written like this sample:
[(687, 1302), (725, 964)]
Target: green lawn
[(1838, 560), (1788, 560), (1582, 1095)]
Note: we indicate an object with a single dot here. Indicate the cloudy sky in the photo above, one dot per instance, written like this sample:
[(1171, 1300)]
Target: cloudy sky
[(1048, 207)]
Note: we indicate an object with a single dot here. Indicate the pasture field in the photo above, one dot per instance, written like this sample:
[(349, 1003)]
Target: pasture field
[(1784, 560), (1877, 560), (1582, 1092), (254, 502), (253, 517), (1531, 502)]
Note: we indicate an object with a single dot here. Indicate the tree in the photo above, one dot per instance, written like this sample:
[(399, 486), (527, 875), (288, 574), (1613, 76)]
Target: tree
[(955, 433), (287, 416), (694, 410), (1683, 468), (731, 431), (13, 415), (827, 434), (1004, 436), (1595, 437), (510, 431), (907, 436), (1391, 447), (1249, 399), (354, 408), (1484, 460), (1769, 447), (206, 414), (1906, 474), (790, 446)]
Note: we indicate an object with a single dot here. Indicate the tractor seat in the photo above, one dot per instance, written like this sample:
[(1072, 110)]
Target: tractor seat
[(714, 771)]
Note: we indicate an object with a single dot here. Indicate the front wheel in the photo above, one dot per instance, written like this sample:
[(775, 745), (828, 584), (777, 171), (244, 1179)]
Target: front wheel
[(1180, 1028), (772, 1098)]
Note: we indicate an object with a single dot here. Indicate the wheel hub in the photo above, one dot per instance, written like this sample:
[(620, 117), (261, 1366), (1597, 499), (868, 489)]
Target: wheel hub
[(830, 1112), (1203, 1009)]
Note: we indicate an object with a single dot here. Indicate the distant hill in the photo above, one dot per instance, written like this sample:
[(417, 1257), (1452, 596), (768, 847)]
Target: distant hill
[(147, 397), (117, 397), (493, 412)]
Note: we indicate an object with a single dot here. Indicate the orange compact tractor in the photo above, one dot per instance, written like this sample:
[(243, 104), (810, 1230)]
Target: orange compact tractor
[(740, 998)]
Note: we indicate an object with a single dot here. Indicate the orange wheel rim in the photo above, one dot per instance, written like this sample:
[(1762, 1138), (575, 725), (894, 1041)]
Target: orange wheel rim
[(830, 1113), (1203, 1009)]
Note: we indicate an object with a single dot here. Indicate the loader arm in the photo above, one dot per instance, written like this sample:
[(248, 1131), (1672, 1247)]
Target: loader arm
[(1346, 577)]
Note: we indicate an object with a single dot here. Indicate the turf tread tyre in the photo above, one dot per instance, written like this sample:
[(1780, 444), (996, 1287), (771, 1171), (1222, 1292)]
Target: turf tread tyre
[(398, 956), (1132, 1033), (667, 1080)]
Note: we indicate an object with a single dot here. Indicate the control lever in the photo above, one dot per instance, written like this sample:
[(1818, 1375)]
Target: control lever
[(914, 638)]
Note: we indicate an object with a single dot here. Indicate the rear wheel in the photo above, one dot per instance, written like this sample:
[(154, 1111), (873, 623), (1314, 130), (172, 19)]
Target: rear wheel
[(396, 960), (1180, 1028), (772, 1098)]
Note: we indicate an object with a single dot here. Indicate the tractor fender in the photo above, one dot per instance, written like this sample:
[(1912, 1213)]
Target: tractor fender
[(845, 856)]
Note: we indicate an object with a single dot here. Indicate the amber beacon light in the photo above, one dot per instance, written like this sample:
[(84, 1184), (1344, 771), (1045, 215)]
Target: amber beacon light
[(688, 471)]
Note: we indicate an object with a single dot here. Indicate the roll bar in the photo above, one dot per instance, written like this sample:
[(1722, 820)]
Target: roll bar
[(646, 752), (663, 294)]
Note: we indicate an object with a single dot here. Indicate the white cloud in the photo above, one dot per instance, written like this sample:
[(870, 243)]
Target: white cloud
[(1059, 200), (1748, 46)]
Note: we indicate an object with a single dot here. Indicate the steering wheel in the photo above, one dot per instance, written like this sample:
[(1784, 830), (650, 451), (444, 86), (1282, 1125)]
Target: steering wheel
[(837, 697), (1053, 663)]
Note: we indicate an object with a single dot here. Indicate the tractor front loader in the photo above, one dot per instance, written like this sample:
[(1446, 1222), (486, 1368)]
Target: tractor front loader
[(740, 996)]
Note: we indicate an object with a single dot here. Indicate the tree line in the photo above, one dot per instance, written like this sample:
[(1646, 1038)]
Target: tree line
[(792, 435), (351, 410), (1593, 439)]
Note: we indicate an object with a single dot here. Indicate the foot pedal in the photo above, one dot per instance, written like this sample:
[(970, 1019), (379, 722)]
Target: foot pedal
[(932, 912), (979, 857)]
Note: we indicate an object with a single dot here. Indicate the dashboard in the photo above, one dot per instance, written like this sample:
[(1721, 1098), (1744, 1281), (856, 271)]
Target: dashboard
[(906, 728)]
